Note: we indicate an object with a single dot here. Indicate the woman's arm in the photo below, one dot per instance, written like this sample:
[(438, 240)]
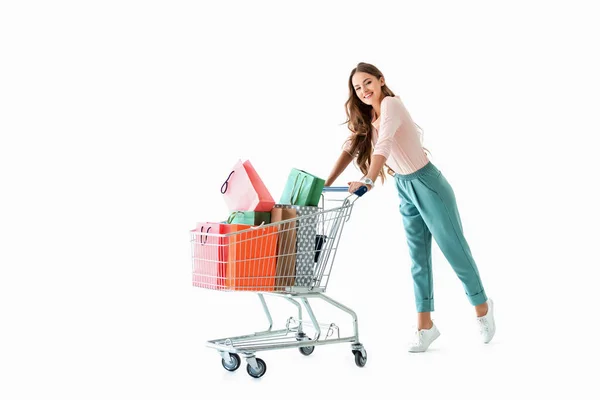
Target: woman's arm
[(377, 163), (340, 166), (391, 119)]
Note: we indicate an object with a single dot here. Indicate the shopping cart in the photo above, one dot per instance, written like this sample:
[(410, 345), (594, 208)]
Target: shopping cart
[(291, 259)]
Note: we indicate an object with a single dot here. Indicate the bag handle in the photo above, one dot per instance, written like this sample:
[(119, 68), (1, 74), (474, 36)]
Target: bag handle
[(292, 201), (201, 231), (293, 188), (258, 226), (225, 185), (232, 216)]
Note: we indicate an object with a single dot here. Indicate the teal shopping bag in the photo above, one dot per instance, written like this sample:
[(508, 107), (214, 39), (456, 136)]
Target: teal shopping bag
[(302, 189), (249, 218)]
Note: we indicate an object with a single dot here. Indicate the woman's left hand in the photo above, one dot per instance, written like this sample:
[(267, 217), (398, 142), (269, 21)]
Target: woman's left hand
[(354, 186)]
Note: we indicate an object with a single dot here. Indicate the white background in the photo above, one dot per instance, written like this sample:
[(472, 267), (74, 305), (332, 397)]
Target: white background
[(120, 120)]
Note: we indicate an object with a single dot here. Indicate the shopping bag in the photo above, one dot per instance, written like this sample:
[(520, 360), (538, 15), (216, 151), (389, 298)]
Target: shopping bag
[(306, 236), (285, 272), (319, 242), (302, 189), (251, 258), (249, 218), (209, 255), (245, 191)]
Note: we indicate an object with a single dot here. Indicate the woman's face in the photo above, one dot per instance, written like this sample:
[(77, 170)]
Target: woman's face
[(367, 87)]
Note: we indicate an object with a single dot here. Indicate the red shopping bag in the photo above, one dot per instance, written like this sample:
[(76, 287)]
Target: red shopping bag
[(245, 191)]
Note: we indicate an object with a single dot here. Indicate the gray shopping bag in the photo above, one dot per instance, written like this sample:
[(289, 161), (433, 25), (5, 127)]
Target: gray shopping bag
[(306, 235)]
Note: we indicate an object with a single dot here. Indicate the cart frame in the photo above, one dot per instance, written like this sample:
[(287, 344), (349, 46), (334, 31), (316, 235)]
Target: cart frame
[(294, 335)]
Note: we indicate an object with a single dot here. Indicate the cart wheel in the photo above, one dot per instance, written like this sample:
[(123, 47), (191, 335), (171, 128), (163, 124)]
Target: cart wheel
[(307, 350), (359, 359), (262, 368), (233, 364)]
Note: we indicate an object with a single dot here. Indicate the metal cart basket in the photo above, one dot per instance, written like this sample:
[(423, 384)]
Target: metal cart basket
[(292, 259)]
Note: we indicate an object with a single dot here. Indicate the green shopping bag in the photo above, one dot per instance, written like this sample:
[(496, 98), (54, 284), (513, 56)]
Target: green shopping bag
[(302, 189), (249, 218)]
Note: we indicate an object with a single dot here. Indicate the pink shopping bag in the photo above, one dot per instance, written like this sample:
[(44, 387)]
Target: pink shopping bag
[(209, 254), (245, 191)]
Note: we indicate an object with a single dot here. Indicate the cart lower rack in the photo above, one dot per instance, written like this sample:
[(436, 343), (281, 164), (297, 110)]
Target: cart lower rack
[(290, 259)]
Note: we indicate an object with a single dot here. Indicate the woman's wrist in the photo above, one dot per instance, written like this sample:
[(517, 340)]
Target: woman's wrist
[(368, 181)]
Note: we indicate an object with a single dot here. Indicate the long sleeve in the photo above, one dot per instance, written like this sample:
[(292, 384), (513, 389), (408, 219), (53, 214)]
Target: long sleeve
[(391, 119)]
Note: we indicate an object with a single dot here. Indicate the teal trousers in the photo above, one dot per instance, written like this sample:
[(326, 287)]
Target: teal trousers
[(428, 208)]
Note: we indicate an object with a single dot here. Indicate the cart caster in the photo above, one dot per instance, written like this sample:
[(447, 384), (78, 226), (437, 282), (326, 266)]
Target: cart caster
[(307, 350), (259, 371), (359, 359), (233, 364)]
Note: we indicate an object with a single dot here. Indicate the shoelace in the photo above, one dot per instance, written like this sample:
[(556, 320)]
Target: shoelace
[(484, 326), (418, 338)]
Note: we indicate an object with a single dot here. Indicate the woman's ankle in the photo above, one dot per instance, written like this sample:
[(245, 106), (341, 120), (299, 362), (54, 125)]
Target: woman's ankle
[(424, 323), (481, 309)]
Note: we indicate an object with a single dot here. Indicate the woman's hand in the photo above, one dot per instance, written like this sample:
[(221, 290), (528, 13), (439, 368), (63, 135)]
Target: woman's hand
[(354, 186)]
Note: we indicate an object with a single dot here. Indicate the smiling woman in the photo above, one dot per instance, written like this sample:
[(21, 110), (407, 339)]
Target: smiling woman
[(368, 91), (382, 131)]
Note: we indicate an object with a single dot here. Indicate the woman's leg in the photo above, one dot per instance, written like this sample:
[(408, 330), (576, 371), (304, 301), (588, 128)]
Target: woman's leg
[(431, 194), (434, 198), (418, 238)]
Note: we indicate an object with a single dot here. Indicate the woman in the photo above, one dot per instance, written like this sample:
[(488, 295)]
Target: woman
[(384, 132)]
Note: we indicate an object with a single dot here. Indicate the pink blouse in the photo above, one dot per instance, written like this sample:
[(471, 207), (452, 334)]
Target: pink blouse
[(396, 137)]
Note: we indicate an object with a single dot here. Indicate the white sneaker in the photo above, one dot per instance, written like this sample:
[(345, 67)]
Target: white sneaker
[(423, 338), (487, 325)]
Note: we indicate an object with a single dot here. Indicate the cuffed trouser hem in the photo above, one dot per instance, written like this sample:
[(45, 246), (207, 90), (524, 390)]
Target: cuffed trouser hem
[(478, 298), (425, 306)]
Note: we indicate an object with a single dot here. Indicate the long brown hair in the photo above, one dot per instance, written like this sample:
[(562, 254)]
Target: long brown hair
[(359, 116)]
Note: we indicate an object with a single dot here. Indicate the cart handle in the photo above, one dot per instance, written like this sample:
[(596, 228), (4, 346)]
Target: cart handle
[(340, 189)]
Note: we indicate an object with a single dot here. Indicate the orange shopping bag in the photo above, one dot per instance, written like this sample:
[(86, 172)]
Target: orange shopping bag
[(252, 257)]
